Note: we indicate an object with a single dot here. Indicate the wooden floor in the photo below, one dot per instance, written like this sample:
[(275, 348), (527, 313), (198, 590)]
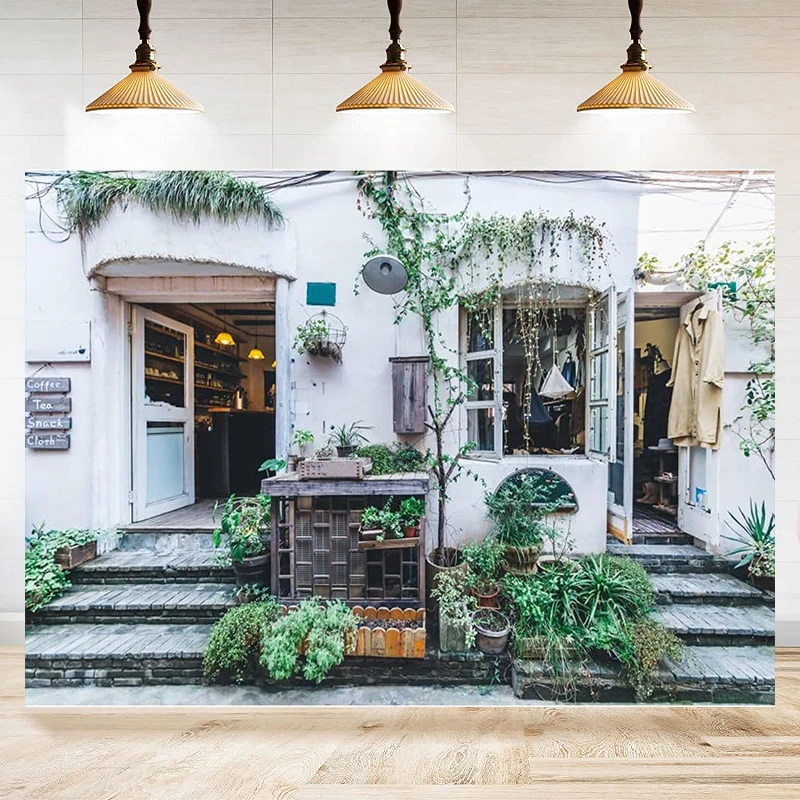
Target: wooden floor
[(196, 517), (647, 520), (559, 753)]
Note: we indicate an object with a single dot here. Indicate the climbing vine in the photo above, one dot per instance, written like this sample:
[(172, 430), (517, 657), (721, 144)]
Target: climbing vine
[(467, 260)]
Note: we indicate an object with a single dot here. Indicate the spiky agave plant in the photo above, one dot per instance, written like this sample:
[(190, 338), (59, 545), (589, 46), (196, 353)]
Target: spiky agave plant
[(87, 198)]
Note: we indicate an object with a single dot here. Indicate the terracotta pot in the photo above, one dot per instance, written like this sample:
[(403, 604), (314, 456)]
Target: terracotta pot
[(253, 569), (487, 600), (521, 560), (410, 531), (491, 642)]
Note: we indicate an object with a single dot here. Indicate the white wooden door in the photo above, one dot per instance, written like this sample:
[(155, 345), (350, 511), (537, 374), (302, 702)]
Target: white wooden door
[(620, 471), (162, 397), (698, 469)]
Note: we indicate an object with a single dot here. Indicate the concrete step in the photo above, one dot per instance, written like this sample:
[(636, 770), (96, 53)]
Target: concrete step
[(704, 588), (149, 566), (661, 538), (145, 603), (726, 675), (714, 625), (671, 558), (166, 540)]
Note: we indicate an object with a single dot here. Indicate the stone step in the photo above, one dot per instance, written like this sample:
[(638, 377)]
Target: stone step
[(714, 625), (145, 603), (166, 540), (671, 558), (149, 566), (661, 538), (114, 655), (704, 588), (726, 675)]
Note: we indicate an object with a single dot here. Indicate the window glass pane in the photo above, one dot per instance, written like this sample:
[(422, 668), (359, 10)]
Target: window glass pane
[(480, 330), (165, 460), (598, 424), (600, 337), (481, 375), (164, 365), (598, 389), (616, 472), (480, 428)]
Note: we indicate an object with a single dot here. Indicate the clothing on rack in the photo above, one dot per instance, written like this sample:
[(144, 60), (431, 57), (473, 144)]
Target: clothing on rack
[(698, 374), (656, 408)]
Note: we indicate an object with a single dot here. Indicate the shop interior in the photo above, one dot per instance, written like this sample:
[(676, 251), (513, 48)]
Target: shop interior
[(233, 388), (655, 466)]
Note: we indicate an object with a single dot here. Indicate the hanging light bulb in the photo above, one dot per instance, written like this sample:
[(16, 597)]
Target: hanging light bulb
[(636, 90), (223, 337), (394, 89), (144, 90), (255, 354)]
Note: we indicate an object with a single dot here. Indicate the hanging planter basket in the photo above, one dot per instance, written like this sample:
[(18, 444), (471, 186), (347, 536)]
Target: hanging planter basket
[(323, 335)]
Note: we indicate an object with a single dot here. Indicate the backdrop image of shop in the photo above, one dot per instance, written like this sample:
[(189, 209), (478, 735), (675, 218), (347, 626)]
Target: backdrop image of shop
[(203, 400)]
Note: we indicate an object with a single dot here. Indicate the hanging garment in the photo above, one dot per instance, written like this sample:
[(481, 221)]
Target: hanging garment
[(554, 386), (698, 373), (568, 371), (539, 414), (656, 407)]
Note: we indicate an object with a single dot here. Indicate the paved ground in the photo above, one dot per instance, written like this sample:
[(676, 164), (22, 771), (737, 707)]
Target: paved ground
[(252, 696)]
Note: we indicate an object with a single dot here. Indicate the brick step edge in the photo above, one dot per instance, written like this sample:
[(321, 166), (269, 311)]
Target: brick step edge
[(450, 669), (530, 682), (152, 576), (726, 639), (190, 615)]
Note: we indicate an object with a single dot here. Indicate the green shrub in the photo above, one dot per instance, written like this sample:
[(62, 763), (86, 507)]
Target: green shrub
[(234, 646), (324, 627), (613, 586), (245, 521), (650, 644), (44, 579), (484, 560), (387, 460)]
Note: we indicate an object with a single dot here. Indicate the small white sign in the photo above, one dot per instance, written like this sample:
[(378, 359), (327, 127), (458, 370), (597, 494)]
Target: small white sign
[(50, 340)]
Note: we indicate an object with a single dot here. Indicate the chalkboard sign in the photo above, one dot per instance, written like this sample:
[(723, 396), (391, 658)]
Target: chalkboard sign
[(48, 405), (33, 423), (47, 441), (41, 384)]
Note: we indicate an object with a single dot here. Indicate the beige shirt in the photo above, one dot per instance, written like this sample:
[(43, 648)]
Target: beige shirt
[(698, 372)]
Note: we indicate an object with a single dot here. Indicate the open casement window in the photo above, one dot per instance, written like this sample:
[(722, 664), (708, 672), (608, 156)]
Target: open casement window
[(601, 354), (482, 349)]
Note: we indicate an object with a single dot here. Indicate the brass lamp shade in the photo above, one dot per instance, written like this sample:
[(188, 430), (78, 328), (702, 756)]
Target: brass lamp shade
[(636, 89), (396, 89), (256, 355), (225, 339), (145, 89)]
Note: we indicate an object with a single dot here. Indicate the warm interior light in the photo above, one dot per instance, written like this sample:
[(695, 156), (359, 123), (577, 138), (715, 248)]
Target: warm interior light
[(394, 89), (224, 338), (636, 89), (144, 89), (274, 364), (256, 355)]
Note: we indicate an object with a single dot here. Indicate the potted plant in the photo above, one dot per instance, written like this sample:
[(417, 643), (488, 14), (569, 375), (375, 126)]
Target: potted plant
[(312, 337), (252, 593), (754, 534), (346, 438), (74, 547), (245, 523), (303, 439), (324, 453), (492, 630), (483, 560), (412, 510), (456, 606), (518, 510), (378, 523)]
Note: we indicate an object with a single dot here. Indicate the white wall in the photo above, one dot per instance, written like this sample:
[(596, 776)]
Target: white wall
[(269, 104)]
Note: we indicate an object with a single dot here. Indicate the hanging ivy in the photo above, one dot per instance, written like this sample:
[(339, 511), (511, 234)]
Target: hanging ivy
[(462, 260), (87, 198)]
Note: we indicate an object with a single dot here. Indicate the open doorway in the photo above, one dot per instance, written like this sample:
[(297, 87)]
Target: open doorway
[(203, 389)]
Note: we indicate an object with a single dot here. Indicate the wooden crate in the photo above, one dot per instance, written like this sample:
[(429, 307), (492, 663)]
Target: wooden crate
[(71, 557), (334, 469), (386, 640)]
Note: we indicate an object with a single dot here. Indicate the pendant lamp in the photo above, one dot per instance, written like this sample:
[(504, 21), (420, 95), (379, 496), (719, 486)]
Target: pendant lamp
[(394, 89), (255, 354), (636, 90), (223, 337), (144, 90)]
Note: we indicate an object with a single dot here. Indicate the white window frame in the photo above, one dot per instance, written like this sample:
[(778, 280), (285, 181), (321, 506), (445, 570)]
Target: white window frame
[(496, 354)]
